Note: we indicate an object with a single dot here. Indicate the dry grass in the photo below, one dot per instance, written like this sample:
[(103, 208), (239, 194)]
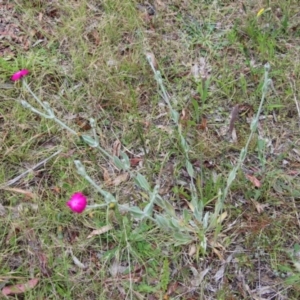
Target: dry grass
[(88, 59)]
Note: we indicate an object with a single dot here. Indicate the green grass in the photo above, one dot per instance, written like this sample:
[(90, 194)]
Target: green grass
[(89, 59)]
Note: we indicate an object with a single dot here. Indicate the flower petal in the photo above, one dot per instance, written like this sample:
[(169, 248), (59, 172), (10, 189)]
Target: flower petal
[(77, 202), (18, 75)]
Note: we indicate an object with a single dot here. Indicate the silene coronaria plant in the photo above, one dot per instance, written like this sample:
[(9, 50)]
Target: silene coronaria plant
[(193, 224)]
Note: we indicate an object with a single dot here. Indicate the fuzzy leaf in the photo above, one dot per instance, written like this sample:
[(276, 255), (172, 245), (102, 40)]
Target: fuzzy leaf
[(118, 163), (206, 220), (90, 141), (142, 182), (125, 160), (148, 209), (231, 177), (162, 222), (182, 239), (175, 116), (108, 197), (136, 212), (189, 168), (186, 216)]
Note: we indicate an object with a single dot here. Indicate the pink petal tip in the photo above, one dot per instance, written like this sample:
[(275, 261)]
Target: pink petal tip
[(18, 75)]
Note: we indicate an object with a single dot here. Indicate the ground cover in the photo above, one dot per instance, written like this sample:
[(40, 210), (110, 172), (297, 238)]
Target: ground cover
[(173, 87)]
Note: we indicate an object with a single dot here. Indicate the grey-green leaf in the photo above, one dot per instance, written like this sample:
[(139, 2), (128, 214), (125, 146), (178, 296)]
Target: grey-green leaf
[(142, 182)]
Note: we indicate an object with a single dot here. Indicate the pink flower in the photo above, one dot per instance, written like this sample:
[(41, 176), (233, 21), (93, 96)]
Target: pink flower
[(77, 202), (18, 75)]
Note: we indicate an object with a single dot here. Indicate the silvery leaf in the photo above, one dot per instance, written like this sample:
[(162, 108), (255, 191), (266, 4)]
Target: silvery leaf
[(90, 141), (142, 182)]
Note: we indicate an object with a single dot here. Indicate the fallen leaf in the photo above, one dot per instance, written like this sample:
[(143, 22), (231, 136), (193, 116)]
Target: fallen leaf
[(100, 231), (96, 37), (184, 115), (220, 273), (222, 217), (172, 288), (218, 253), (83, 123), (56, 189), (20, 191), (160, 3), (116, 148), (119, 179), (135, 161), (203, 125), (200, 70), (233, 116), (192, 250), (254, 180), (106, 176), (195, 71), (198, 277), (43, 260), (76, 261), (117, 268), (20, 288), (234, 136), (259, 207)]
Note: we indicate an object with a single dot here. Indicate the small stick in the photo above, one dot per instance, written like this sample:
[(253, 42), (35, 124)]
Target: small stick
[(12, 181)]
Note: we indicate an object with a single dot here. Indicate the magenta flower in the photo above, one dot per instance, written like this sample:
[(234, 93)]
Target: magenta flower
[(18, 75), (77, 202)]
